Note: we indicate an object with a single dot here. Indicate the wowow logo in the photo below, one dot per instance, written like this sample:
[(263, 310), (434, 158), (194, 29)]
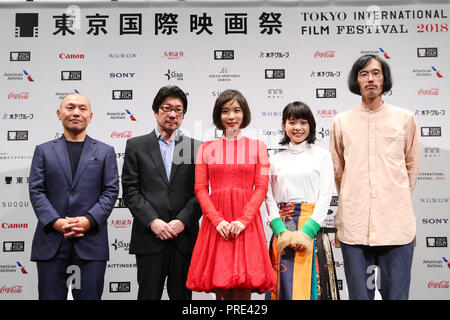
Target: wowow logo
[(434, 200), (439, 75)]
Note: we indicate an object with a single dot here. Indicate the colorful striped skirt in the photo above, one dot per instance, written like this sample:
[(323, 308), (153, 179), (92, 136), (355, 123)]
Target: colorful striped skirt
[(303, 275)]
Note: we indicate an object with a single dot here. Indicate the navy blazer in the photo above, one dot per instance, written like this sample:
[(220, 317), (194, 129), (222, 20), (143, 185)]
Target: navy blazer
[(54, 194)]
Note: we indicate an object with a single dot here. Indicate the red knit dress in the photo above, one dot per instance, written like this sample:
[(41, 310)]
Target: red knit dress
[(238, 173)]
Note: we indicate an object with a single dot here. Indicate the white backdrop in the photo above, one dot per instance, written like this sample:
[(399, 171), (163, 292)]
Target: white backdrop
[(119, 54)]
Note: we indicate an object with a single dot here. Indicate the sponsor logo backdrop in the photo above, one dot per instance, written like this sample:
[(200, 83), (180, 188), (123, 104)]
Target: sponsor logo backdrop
[(120, 56)]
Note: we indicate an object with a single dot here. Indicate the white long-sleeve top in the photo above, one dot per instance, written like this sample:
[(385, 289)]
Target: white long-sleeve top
[(301, 173)]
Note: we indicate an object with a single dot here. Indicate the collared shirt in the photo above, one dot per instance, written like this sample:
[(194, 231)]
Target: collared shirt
[(167, 150), (376, 158), (301, 173)]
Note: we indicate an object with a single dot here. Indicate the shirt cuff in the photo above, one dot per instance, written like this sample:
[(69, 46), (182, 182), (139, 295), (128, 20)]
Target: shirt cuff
[(310, 228), (277, 225)]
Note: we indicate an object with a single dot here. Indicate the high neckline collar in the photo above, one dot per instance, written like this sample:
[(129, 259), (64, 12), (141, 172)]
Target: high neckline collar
[(298, 148)]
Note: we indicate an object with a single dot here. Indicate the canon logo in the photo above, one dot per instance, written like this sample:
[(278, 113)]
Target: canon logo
[(21, 95), (6, 225), (428, 92), (71, 56), (439, 284), (325, 54), (121, 135), (14, 289)]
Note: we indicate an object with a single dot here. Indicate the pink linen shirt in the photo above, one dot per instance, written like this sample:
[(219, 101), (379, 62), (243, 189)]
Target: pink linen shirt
[(376, 158)]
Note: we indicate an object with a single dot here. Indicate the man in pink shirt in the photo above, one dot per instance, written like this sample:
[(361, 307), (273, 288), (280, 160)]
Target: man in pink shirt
[(376, 151)]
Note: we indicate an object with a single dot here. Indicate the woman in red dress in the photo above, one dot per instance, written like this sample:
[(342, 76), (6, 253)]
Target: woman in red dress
[(231, 256)]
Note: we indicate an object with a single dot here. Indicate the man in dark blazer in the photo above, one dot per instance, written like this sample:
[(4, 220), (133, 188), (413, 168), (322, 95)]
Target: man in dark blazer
[(73, 186), (158, 188)]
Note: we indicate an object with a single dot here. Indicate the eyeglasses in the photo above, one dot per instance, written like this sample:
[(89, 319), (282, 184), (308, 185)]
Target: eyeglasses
[(375, 74), (169, 109)]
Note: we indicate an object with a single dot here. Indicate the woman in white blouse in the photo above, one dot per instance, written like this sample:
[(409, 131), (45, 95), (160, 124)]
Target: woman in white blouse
[(298, 200)]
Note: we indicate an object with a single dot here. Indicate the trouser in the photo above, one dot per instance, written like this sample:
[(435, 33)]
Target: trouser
[(86, 276), (152, 270), (394, 264)]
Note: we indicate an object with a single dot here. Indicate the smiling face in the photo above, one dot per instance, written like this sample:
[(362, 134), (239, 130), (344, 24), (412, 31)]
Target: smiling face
[(232, 115), (370, 80), (169, 115), (296, 129), (75, 113)]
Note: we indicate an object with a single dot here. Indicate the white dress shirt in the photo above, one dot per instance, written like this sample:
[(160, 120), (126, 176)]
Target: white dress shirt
[(301, 173)]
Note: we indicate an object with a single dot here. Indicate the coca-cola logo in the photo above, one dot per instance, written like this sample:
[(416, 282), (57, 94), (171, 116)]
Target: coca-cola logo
[(428, 92), (324, 54), (9, 290), (121, 135), (439, 284), (20, 95)]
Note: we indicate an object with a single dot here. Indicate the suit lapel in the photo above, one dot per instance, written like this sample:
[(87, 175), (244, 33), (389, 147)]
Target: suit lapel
[(60, 148), (87, 153), (155, 153)]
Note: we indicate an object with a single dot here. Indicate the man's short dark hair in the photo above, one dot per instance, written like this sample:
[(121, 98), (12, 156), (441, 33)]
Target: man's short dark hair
[(222, 99), (169, 91), (360, 64), (299, 110)]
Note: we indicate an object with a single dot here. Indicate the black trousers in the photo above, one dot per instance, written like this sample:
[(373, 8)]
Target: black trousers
[(152, 270)]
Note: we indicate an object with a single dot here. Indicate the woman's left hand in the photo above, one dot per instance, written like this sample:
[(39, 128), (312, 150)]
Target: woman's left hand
[(236, 227)]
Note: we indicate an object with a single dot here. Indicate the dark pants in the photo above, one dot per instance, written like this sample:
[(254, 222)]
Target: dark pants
[(152, 270), (54, 273), (394, 264)]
